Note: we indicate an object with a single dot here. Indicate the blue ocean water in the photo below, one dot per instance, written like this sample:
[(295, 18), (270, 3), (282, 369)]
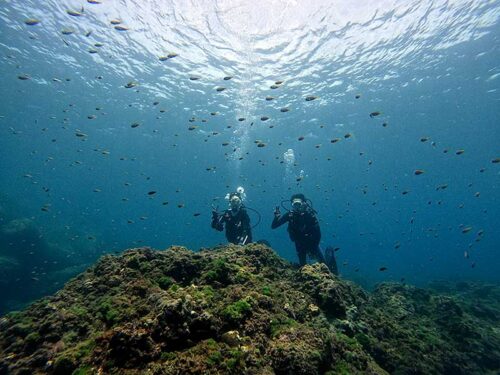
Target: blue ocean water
[(80, 151)]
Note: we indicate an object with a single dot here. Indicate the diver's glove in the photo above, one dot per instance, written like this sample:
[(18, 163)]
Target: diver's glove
[(277, 211)]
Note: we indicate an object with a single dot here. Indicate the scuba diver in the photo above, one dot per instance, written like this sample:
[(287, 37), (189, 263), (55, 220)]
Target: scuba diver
[(303, 228), (235, 219)]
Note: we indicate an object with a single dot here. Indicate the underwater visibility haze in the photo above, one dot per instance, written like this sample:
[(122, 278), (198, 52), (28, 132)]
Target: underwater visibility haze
[(122, 123)]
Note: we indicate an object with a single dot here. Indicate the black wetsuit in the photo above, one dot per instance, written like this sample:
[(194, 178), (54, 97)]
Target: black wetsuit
[(238, 228), (303, 228)]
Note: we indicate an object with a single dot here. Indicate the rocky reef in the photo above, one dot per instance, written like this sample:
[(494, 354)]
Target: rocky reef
[(34, 261), (244, 310)]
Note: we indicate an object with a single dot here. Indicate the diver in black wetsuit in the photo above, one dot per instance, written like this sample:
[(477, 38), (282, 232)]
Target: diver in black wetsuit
[(235, 219), (303, 228)]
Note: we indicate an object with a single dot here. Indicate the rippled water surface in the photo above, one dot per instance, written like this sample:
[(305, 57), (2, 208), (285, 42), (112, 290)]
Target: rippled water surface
[(105, 102)]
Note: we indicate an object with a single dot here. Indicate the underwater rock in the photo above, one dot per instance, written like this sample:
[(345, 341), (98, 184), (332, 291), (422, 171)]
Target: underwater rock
[(17, 226), (332, 296), (244, 310)]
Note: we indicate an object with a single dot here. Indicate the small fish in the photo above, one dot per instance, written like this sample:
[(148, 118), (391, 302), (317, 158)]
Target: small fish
[(74, 13), (196, 214), (67, 31), (495, 161), (94, 2), (301, 138), (130, 85), (334, 140), (424, 139), (193, 127), (382, 269), (269, 98), (459, 152), (264, 118), (466, 229), (31, 21), (152, 192), (121, 28), (180, 205), (419, 172), (115, 22), (284, 109), (227, 78), (23, 77), (466, 255), (80, 134), (357, 96), (348, 135), (273, 87), (220, 89), (168, 57), (261, 144), (241, 119), (310, 98), (278, 82), (194, 78), (225, 143), (374, 114)]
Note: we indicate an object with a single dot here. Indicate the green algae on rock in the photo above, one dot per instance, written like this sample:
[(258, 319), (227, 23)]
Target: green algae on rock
[(244, 310)]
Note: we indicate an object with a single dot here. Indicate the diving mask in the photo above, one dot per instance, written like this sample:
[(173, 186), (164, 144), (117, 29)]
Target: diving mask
[(235, 202), (298, 205)]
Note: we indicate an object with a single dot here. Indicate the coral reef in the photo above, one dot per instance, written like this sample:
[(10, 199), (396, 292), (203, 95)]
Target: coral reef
[(244, 310)]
